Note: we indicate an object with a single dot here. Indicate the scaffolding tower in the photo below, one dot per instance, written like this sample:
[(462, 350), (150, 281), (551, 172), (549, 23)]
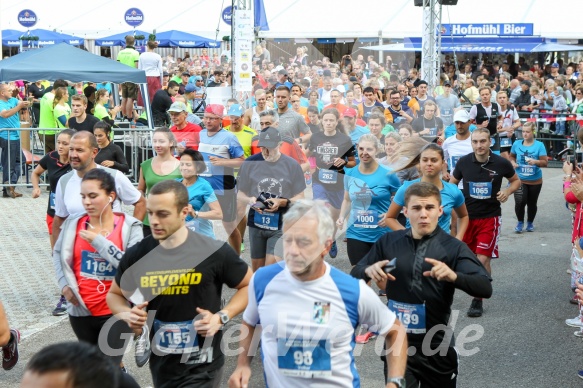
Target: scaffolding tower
[(431, 44)]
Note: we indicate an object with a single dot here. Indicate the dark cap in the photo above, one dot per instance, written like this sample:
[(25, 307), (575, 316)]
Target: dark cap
[(353, 79), (186, 73), (327, 73), (165, 74), (526, 82), (282, 72), (447, 83), (269, 137)]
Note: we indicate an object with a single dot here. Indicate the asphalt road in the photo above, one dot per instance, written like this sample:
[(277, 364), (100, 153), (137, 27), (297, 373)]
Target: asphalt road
[(521, 341)]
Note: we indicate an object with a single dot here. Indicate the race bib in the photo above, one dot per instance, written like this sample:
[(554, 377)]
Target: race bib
[(527, 170), (95, 267), (175, 337), (327, 176), (412, 316), (453, 161), (480, 190), (301, 358), (446, 112), (505, 142), (52, 201), (366, 219), (268, 221), (432, 132), (193, 224)]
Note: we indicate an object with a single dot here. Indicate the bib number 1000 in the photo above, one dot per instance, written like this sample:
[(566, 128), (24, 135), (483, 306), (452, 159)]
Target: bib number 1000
[(365, 218), (303, 358)]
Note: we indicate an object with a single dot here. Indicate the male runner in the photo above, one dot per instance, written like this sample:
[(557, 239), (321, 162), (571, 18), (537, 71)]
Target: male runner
[(430, 264), (309, 311), (80, 120), (482, 172)]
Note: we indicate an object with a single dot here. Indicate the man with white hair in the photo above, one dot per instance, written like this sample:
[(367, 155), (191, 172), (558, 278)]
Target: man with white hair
[(306, 295)]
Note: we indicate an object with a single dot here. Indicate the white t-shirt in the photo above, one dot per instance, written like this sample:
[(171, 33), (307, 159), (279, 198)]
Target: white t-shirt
[(325, 312), (151, 63), (508, 117), (453, 149), (70, 202)]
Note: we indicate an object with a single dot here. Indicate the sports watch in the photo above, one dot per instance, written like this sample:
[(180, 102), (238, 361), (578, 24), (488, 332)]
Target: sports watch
[(398, 381), (224, 317)]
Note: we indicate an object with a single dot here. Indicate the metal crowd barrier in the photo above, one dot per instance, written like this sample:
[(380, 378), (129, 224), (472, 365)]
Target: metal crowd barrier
[(136, 144)]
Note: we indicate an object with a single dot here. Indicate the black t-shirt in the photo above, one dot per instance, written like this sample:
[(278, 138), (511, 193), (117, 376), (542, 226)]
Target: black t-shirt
[(325, 149), (314, 128), (55, 170), (86, 125), (36, 91), (175, 282), (435, 124), (281, 179), (482, 182), (160, 105)]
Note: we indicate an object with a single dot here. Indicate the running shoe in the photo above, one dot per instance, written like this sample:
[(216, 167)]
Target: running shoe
[(529, 227), (61, 308), (578, 333), (333, 250), (574, 322), (364, 338), (580, 374), (519, 227), (142, 347), (10, 351), (476, 310)]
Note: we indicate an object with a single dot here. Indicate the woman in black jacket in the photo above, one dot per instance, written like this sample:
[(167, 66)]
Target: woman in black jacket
[(109, 154)]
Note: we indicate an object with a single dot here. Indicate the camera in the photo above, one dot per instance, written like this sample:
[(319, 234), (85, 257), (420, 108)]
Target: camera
[(390, 266), (262, 201)]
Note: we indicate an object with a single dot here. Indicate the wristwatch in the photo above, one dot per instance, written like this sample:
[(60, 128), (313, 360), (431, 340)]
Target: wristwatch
[(398, 381), (196, 214), (224, 317)]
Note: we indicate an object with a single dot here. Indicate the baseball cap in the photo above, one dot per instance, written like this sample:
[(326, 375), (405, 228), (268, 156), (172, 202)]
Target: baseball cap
[(349, 112), (526, 82), (282, 72), (556, 65), (197, 78), (235, 110), (447, 83), (165, 74), (177, 106), (189, 88), (269, 138), (536, 62), (215, 109), (186, 73), (253, 75), (461, 116), (327, 73), (88, 91)]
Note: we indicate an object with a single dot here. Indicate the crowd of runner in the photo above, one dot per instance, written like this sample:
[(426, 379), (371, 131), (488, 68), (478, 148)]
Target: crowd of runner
[(414, 181)]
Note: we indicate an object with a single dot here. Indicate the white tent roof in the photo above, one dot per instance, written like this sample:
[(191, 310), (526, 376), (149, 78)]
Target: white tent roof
[(289, 18)]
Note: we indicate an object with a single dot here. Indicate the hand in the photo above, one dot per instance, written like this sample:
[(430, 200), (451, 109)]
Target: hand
[(137, 317), (70, 296), (382, 220), (252, 201), (446, 176), (339, 162), (23, 104), (340, 223), (502, 196), (514, 164), (276, 203), (532, 162), (440, 271), (240, 377), (376, 273), (567, 168), (209, 325), (107, 163), (36, 192), (87, 235), (579, 291), (180, 148), (216, 161)]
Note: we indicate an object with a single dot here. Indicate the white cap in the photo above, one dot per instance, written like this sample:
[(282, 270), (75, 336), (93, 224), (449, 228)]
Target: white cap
[(462, 116)]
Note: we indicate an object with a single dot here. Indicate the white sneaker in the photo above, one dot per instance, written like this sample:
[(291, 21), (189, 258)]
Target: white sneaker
[(578, 333), (574, 322)]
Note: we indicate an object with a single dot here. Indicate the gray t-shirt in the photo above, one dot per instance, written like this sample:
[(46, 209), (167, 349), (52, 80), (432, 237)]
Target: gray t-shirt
[(292, 124), (446, 107)]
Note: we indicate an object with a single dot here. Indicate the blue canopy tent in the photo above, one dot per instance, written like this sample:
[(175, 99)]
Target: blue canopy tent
[(175, 38), (62, 61), (482, 45), (120, 39), (10, 38)]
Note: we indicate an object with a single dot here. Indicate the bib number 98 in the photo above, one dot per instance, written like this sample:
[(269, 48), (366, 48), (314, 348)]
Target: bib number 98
[(303, 358)]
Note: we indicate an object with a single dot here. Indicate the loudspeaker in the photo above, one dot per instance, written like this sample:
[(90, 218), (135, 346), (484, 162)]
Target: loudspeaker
[(447, 2)]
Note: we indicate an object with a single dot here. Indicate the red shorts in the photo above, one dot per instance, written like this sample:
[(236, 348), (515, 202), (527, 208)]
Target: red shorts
[(50, 224), (482, 236)]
